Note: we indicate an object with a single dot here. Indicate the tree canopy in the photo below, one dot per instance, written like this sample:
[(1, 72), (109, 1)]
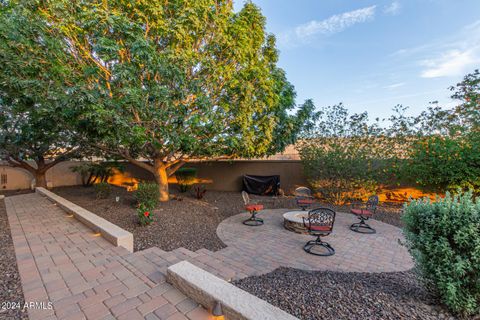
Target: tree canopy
[(36, 93), (172, 81)]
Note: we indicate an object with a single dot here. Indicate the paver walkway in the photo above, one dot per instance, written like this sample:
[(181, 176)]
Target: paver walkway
[(84, 277)]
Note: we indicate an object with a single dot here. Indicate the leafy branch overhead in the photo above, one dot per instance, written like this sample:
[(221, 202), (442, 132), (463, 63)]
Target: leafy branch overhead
[(172, 81), (37, 97)]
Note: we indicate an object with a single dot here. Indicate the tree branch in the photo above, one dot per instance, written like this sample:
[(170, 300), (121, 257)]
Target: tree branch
[(19, 163), (136, 162), (173, 167)]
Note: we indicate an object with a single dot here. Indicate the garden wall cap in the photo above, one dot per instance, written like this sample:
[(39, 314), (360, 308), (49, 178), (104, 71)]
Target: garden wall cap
[(207, 289)]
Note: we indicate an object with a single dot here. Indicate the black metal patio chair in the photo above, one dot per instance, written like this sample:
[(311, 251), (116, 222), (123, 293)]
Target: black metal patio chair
[(303, 197), (319, 223), (364, 212)]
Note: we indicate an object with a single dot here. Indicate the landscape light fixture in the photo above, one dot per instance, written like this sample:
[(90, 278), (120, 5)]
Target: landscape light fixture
[(217, 311)]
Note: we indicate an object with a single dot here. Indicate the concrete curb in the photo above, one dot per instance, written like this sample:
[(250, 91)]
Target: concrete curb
[(111, 232), (206, 289)]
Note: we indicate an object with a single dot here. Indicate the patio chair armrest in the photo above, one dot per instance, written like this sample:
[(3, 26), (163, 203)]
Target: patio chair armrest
[(307, 226)]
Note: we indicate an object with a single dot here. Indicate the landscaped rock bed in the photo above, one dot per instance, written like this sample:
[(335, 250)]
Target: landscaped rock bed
[(182, 222), (336, 295), (10, 284)]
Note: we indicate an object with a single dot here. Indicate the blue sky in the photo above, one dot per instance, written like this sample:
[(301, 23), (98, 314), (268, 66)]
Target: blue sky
[(372, 55)]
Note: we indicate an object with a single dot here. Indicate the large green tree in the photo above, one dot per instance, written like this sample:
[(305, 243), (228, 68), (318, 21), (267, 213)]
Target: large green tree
[(36, 93), (178, 80)]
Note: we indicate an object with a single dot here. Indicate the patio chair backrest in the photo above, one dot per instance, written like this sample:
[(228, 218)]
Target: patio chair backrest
[(303, 192), (372, 203), (246, 197), (323, 217)]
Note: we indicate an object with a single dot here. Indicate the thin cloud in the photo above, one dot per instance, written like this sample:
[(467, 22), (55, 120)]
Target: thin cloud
[(334, 24), (456, 58), (395, 85), (393, 8), (451, 63), (450, 56)]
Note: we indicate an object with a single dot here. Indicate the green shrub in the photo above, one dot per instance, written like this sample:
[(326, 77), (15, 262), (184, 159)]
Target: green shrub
[(102, 190), (340, 170), (444, 238), (145, 216), (147, 194), (186, 177), (446, 163)]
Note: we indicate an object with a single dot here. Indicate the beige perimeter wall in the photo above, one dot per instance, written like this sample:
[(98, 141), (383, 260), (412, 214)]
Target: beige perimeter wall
[(217, 175)]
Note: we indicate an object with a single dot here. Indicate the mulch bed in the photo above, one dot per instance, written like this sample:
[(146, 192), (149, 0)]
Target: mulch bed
[(10, 284), (338, 295)]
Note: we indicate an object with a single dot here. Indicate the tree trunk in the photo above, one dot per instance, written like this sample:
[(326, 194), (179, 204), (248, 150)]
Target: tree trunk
[(40, 179), (161, 177)]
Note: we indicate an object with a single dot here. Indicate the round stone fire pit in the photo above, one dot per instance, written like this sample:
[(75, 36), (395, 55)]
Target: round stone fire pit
[(293, 221)]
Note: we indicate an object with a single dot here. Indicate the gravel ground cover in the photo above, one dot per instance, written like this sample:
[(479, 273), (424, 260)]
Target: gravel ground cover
[(337, 295), (9, 193), (11, 294), (182, 222)]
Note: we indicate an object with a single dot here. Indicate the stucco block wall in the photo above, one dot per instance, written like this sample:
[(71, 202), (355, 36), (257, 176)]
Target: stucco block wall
[(59, 175), (227, 175), (218, 175)]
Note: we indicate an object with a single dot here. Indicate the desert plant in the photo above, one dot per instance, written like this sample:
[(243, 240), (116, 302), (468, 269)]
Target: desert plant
[(96, 172), (147, 195), (200, 191), (186, 178), (102, 190), (144, 214), (444, 238)]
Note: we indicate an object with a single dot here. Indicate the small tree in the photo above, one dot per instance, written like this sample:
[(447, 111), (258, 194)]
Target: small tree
[(445, 154), (36, 94), (344, 156), (175, 81)]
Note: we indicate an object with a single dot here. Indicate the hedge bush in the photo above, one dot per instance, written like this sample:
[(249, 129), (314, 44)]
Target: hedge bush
[(444, 238), (186, 177), (446, 163), (147, 195)]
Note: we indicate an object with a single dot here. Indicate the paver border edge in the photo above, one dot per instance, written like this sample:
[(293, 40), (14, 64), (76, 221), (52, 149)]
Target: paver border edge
[(207, 289), (111, 232)]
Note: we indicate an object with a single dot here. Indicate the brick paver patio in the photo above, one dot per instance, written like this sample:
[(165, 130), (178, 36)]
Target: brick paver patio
[(85, 277), (272, 245)]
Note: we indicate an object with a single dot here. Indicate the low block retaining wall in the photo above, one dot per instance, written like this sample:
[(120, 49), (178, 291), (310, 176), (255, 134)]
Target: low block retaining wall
[(207, 289), (111, 232)]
